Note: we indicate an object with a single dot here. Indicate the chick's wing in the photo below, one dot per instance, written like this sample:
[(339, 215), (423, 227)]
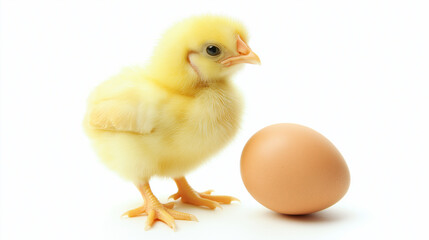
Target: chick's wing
[(123, 107), (121, 115)]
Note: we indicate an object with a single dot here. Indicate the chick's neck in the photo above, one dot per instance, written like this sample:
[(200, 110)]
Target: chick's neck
[(180, 78)]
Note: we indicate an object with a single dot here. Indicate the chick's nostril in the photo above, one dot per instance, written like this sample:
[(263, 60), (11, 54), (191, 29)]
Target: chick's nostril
[(242, 47)]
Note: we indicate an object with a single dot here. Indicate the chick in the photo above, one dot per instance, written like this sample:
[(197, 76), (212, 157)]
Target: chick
[(167, 118)]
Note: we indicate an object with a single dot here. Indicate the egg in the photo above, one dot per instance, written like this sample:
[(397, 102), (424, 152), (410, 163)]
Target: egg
[(292, 169)]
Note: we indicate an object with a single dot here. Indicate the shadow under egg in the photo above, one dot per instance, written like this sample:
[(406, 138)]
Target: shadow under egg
[(324, 216)]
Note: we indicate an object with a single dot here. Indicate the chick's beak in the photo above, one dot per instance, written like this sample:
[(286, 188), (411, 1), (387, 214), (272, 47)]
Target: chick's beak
[(246, 55)]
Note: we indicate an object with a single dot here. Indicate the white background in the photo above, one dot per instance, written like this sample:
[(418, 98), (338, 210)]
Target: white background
[(356, 71)]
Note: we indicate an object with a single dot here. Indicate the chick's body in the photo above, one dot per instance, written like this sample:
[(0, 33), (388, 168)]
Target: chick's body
[(169, 117), (178, 131)]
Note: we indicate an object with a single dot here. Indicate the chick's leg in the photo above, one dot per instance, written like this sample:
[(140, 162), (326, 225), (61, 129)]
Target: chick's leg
[(157, 211), (189, 195)]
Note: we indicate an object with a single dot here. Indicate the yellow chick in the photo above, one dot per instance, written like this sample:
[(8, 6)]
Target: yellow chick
[(169, 117)]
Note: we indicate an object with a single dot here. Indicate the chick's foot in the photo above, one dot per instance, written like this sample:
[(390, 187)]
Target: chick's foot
[(190, 196), (142, 211), (157, 211)]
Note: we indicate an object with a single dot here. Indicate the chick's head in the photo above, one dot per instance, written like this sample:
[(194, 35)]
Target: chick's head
[(202, 50)]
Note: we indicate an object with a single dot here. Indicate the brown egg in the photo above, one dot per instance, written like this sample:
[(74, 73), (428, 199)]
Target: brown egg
[(293, 169)]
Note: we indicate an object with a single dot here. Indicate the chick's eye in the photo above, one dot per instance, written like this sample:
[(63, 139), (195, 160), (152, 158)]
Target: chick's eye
[(212, 50)]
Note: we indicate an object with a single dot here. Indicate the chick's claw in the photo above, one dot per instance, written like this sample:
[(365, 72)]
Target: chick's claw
[(162, 212), (141, 211), (188, 195), (203, 199), (181, 215), (220, 199), (159, 213)]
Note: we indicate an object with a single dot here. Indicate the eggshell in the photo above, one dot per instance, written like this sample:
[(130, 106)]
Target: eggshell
[(292, 169)]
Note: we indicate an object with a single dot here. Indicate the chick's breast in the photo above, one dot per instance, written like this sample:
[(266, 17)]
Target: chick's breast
[(211, 120), (152, 131)]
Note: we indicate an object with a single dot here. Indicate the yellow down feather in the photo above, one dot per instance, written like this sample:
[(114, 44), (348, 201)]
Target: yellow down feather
[(167, 118)]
